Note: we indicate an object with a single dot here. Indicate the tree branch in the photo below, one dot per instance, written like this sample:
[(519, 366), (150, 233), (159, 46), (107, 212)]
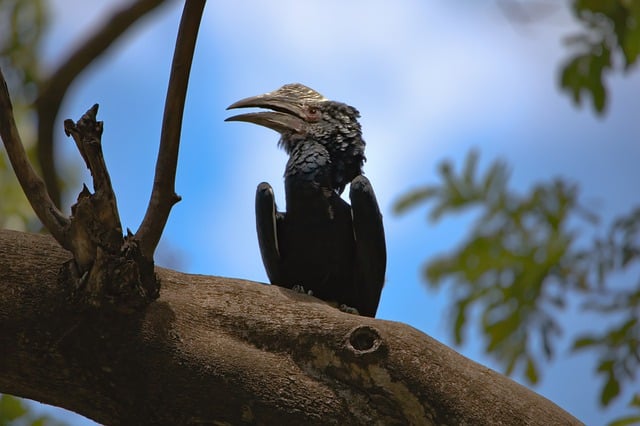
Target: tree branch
[(107, 267), (54, 89), (95, 221), (214, 350), (31, 183), (163, 195)]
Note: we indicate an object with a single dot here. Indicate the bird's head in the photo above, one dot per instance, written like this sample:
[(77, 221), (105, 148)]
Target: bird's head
[(299, 112)]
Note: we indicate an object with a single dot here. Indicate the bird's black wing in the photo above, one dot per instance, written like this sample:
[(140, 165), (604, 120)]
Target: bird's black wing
[(267, 221), (371, 251)]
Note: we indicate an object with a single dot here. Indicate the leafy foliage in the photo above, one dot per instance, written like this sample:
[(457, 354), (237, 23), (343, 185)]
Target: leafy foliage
[(612, 31), (13, 411), (618, 347), (22, 23), (632, 419), (11, 408), (522, 260), (516, 263)]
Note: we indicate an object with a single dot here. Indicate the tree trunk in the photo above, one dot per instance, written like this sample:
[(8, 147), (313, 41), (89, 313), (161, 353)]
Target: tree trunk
[(216, 350)]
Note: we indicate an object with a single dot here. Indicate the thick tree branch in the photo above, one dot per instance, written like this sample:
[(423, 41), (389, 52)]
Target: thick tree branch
[(163, 195), (31, 183), (214, 350), (53, 90)]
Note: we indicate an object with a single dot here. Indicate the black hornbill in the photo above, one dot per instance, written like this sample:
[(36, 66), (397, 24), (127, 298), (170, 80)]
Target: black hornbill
[(321, 243)]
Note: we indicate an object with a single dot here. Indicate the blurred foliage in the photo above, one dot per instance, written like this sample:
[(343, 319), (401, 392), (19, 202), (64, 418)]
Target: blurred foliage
[(611, 39), (11, 408), (515, 264), (22, 23), (14, 412), (523, 259), (619, 346), (633, 419)]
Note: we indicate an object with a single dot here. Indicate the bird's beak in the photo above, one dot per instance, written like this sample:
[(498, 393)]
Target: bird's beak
[(285, 117)]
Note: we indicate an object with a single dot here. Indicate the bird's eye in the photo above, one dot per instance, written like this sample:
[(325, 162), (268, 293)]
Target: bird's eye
[(313, 114)]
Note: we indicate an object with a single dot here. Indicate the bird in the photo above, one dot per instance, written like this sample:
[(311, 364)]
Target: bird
[(321, 244)]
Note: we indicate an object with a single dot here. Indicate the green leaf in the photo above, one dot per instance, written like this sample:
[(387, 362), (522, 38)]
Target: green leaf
[(606, 366), (471, 163), (584, 73), (500, 331), (628, 254), (600, 60), (626, 421), (436, 270), (42, 421), (11, 408), (461, 319), (512, 360), (584, 342), (531, 371), (605, 7), (571, 78), (631, 419), (610, 390), (631, 42)]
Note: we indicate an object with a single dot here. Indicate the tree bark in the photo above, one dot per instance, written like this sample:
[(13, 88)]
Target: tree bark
[(217, 350)]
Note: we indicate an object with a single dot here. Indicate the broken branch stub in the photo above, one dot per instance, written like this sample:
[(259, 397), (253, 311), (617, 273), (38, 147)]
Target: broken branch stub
[(107, 267)]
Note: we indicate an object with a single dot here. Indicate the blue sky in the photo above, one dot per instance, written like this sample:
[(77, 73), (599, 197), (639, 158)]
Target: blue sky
[(432, 79)]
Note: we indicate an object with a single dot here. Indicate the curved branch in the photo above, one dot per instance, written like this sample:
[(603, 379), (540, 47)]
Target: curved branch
[(163, 195), (54, 89), (214, 350), (33, 187)]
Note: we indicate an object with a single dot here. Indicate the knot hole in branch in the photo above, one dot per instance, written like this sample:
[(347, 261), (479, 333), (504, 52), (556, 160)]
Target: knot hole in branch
[(363, 340)]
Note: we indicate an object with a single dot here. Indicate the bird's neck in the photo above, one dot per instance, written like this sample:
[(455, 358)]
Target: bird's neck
[(308, 180)]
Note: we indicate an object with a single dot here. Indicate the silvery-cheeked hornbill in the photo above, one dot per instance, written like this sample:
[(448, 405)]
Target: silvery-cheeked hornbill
[(321, 243)]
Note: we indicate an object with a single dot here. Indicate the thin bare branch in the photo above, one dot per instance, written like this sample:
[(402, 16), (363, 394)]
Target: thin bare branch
[(163, 196), (33, 186), (55, 87)]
